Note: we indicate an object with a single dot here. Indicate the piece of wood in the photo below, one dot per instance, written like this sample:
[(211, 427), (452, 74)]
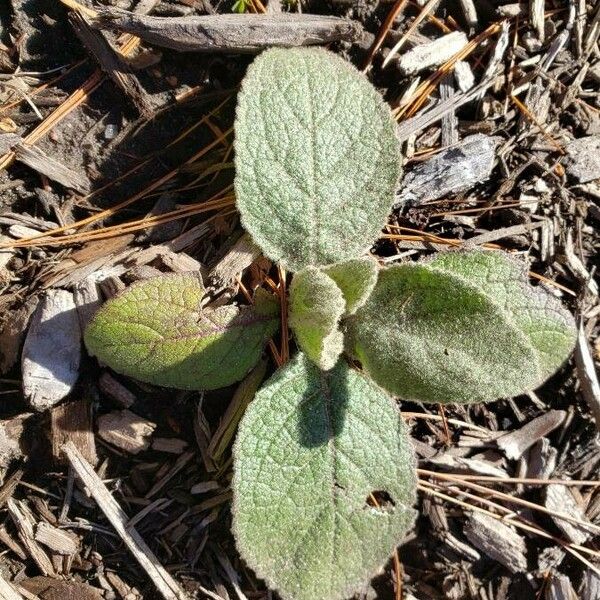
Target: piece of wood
[(588, 377), (73, 421), (25, 523), (449, 172), (11, 439), (13, 333), (39, 161), (7, 591), (561, 500), (115, 390), (498, 541), (583, 163), (230, 32), (52, 351), (57, 540), (516, 442), (239, 257), (87, 300), (126, 430), (111, 63), (560, 588), (47, 588), (431, 54), (163, 581)]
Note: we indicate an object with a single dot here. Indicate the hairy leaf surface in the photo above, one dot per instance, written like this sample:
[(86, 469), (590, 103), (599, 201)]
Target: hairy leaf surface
[(548, 325), (356, 278), (157, 331), (464, 327), (313, 451), (316, 306), (317, 160)]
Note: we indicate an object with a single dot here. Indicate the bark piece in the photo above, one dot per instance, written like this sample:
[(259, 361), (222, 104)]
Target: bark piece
[(240, 256), (52, 351), (57, 540), (126, 430), (46, 588), (115, 390), (449, 172), (87, 299), (584, 159), (516, 442), (13, 332), (165, 584), (499, 541), (431, 54), (57, 171), (230, 32), (588, 377), (25, 523), (560, 499), (590, 585), (7, 591), (11, 439), (73, 421), (110, 62), (560, 588)]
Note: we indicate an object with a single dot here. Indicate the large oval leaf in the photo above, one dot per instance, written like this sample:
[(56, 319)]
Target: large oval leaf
[(157, 331), (466, 328), (317, 160), (313, 452), (548, 325)]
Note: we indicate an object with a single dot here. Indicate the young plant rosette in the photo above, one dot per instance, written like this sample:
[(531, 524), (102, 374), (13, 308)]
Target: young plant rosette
[(317, 165)]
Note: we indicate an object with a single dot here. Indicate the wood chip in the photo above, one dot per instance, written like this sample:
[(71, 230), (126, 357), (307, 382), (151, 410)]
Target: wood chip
[(115, 390), (165, 584), (431, 54), (560, 588), (13, 333), (7, 591), (590, 585), (12, 442), (52, 351), (239, 257), (46, 588), (560, 499), (588, 377), (170, 445), (57, 540), (516, 442), (126, 430), (73, 421), (111, 63), (230, 32), (583, 163), (87, 299), (498, 541), (450, 171), (57, 171), (25, 523)]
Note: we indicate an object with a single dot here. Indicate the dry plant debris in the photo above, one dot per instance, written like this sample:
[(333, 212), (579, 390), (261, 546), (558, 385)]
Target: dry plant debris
[(501, 138)]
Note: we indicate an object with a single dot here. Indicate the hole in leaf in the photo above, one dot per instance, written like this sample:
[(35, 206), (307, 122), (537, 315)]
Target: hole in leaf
[(380, 500)]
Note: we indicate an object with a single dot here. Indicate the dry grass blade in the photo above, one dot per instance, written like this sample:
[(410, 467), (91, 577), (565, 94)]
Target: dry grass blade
[(509, 498)]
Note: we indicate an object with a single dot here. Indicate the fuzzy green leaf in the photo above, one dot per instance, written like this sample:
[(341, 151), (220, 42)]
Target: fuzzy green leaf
[(356, 278), (311, 450), (316, 306), (547, 324), (317, 160), (466, 328), (158, 332)]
